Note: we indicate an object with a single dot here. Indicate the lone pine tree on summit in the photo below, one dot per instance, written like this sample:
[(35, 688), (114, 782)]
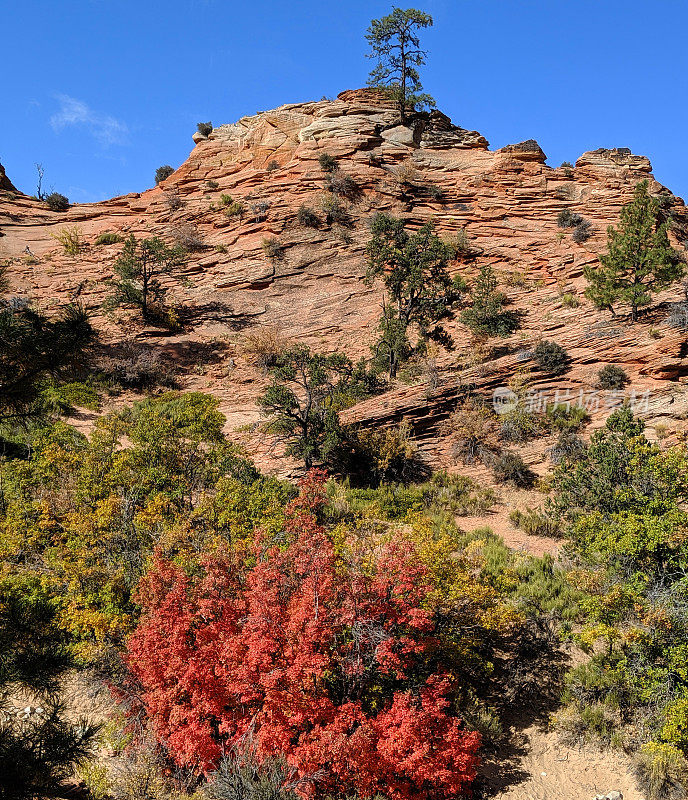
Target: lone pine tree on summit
[(395, 44), (639, 261)]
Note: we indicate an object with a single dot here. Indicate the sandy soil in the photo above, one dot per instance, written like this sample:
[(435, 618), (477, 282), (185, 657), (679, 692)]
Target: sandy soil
[(537, 766)]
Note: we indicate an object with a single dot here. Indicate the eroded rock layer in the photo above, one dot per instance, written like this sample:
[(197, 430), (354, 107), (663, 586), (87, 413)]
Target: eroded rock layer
[(245, 183)]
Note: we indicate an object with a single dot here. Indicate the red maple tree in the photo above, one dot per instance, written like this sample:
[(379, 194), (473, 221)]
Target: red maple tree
[(336, 667)]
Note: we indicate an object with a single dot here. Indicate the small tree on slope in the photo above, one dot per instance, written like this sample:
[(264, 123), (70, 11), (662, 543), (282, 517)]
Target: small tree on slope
[(640, 261), (137, 271), (414, 270), (302, 402)]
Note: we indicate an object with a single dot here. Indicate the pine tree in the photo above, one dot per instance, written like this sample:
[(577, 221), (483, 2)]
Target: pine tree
[(395, 44), (414, 270), (36, 354), (138, 269), (486, 314), (639, 261), (301, 402)]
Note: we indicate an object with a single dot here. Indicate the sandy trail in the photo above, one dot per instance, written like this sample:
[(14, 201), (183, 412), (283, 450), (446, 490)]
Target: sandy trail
[(537, 766)]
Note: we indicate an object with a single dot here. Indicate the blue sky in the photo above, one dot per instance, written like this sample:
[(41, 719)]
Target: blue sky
[(102, 92)]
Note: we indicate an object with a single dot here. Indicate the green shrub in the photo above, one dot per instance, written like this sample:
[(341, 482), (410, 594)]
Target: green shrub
[(675, 728), (568, 446), (335, 210), (562, 418), (307, 217), (443, 494), (109, 238), (569, 300), (568, 219), (273, 166), (226, 199), (461, 243), (582, 232), (212, 184), (457, 495), (551, 357), (57, 202), (162, 173), (204, 128), (473, 433), (327, 162), (661, 770), (70, 239), (612, 377), (535, 523), (235, 209), (343, 185), (273, 248), (386, 456), (519, 425), (511, 468)]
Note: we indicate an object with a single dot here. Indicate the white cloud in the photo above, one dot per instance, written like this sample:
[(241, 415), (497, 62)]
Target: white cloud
[(103, 127)]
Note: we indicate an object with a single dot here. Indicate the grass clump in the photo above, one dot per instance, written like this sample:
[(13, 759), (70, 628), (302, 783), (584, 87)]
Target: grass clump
[(264, 347), (70, 239), (535, 523), (109, 238)]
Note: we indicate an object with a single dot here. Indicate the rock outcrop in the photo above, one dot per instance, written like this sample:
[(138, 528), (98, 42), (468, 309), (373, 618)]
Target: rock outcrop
[(5, 183), (504, 202)]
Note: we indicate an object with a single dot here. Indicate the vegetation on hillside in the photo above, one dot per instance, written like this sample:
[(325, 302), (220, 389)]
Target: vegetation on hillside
[(639, 261), (349, 633)]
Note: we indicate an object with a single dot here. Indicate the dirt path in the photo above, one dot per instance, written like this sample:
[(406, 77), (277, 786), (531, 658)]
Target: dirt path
[(537, 766), (534, 764)]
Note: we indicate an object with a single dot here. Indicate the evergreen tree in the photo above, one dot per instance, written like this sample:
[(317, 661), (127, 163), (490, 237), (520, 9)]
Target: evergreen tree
[(486, 315), (395, 44), (36, 354), (302, 402), (414, 270), (392, 347), (137, 271), (640, 261)]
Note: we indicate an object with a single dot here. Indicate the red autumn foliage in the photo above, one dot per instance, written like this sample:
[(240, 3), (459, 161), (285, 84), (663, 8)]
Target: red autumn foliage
[(338, 669)]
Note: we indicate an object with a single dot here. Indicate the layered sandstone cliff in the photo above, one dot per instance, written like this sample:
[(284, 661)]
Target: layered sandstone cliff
[(506, 202)]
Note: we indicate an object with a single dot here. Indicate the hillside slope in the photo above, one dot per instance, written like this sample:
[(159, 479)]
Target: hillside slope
[(506, 201)]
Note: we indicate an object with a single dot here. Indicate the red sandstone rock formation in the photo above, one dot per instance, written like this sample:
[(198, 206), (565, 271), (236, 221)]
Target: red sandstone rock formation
[(506, 201)]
